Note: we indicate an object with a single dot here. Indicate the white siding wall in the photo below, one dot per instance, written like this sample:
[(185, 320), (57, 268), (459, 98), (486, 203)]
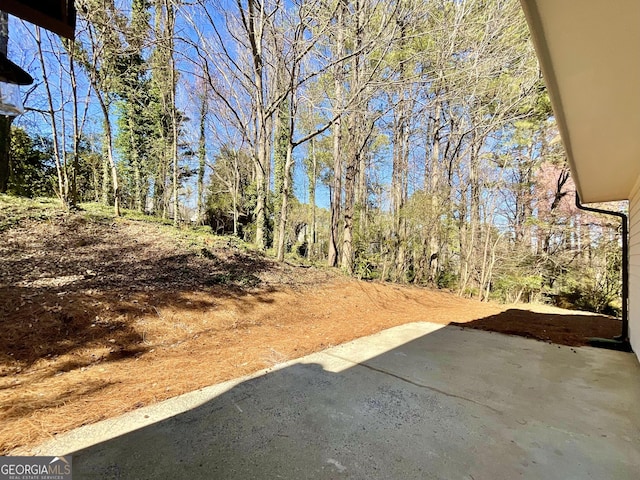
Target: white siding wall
[(634, 268)]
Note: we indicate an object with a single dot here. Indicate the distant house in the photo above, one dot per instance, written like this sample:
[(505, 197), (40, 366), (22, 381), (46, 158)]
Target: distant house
[(589, 52)]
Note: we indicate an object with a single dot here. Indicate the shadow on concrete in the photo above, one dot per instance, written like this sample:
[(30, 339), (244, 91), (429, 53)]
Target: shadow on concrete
[(414, 402)]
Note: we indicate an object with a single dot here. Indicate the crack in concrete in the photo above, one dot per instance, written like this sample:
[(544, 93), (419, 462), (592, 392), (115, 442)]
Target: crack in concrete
[(413, 382)]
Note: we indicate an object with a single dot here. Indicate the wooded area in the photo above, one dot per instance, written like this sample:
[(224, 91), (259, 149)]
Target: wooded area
[(403, 140)]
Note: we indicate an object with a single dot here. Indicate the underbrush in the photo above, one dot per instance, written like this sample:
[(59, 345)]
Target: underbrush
[(14, 210)]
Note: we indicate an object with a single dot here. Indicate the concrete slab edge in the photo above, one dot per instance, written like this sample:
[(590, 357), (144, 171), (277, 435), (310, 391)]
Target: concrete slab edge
[(88, 435)]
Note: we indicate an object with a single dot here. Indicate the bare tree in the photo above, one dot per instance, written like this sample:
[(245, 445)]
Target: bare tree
[(98, 61)]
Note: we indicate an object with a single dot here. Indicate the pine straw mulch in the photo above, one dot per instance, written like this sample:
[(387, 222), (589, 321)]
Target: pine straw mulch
[(100, 318)]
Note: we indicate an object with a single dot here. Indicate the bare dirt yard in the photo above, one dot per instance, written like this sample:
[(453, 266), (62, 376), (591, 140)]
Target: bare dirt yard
[(100, 316)]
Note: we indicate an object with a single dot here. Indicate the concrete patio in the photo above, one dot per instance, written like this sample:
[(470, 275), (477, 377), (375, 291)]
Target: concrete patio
[(419, 401)]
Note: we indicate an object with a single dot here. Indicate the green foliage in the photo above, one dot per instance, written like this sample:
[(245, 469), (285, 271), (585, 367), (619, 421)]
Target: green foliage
[(515, 288), (139, 126), (447, 279), (88, 171), (366, 266), (595, 289), (32, 170), (280, 154), (238, 279), (447, 84), (232, 191), (14, 210), (100, 212), (542, 109)]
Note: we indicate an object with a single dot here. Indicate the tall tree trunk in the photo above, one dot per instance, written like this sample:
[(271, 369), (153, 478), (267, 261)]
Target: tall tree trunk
[(400, 164), (236, 193), (261, 189), (101, 91), (349, 198), (202, 158), (73, 194), (398, 189), (336, 198), (60, 167), (281, 167), (161, 78), (362, 194), (432, 186), (105, 186), (254, 22), (473, 232), (336, 194), (312, 176), (159, 186), (357, 139), (169, 38), (109, 146), (286, 193), (138, 201)]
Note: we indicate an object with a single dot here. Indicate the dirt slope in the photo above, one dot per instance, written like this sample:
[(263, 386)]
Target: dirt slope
[(101, 316)]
